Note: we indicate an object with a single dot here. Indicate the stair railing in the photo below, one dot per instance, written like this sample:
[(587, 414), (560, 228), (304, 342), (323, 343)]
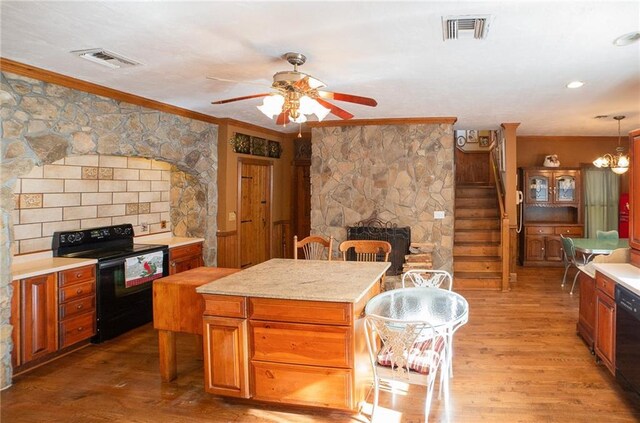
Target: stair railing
[(504, 219)]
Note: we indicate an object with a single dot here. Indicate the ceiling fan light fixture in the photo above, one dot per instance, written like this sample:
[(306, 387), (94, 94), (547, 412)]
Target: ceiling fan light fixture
[(272, 105)]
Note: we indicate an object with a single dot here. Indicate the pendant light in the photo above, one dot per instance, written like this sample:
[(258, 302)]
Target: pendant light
[(618, 162)]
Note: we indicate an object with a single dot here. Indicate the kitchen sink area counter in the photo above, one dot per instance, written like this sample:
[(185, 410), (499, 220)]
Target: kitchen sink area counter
[(27, 267), (625, 274), (168, 240)]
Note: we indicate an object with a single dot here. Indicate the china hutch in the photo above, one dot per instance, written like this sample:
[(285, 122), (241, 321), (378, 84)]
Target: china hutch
[(552, 206)]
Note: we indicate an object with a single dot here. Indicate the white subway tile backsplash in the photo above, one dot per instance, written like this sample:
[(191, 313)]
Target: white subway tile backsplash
[(111, 210), (166, 175), (62, 172), (166, 196), (36, 244), (40, 215), (126, 174), (112, 186), (36, 172), (113, 161), (15, 217), (51, 227), (160, 186), (149, 218), (59, 162), (17, 189), (138, 163), (165, 216), (125, 197), (32, 230), (60, 200), (82, 212), (157, 164), (162, 206), (139, 185), (82, 160), (147, 197), (94, 223), (80, 185), (94, 198), (119, 220), (42, 185), (151, 175)]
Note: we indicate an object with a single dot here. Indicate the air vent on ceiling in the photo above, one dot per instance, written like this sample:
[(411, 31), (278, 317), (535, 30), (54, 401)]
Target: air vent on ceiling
[(469, 26), (105, 58)]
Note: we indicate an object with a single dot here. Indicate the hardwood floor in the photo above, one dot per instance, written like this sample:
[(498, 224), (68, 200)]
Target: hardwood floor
[(517, 360)]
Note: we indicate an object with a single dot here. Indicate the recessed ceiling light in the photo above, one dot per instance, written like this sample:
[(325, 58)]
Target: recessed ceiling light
[(626, 39), (575, 84), (601, 117)]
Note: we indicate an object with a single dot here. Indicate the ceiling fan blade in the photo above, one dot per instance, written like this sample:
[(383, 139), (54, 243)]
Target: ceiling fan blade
[(246, 97), (283, 118), (341, 113), (214, 78), (348, 97)]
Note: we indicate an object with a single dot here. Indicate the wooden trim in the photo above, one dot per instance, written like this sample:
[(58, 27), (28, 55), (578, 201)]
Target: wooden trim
[(8, 65), (222, 234), (252, 127), (385, 121), (281, 222)]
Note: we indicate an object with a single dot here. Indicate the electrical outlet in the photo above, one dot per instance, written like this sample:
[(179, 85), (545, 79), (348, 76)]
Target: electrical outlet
[(438, 214), (163, 224), (232, 216), (144, 227)]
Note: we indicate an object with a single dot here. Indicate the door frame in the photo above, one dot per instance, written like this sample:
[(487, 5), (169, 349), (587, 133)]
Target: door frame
[(269, 165)]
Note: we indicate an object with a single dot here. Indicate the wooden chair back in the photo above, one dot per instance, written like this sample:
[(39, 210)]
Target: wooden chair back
[(314, 247), (367, 250)]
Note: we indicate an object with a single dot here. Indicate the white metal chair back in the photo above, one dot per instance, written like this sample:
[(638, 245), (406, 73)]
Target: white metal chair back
[(314, 247), (428, 278), (410, 352)]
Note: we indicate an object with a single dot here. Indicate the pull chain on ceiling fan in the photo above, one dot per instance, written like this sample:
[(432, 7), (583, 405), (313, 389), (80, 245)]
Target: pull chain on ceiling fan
[(299, 95)]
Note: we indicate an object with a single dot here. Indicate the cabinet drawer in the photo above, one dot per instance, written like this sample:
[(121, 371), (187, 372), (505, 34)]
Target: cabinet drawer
[(76, 275), (301, 344), (76, 291), (568, 230), (605, 284), (80, 306), (185, 251), (225, 305), (540, 230), (77, 328), (305, 385), (300, 311)]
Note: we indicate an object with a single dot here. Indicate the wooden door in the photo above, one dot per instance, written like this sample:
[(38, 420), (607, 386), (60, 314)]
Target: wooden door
[(254, 195), (39, 316), (534, 249), (226, 369), (301, 203), (553, 248), (605, 329)]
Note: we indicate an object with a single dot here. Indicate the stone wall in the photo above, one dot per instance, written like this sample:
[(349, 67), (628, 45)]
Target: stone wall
[(43, 123), (401, 172)]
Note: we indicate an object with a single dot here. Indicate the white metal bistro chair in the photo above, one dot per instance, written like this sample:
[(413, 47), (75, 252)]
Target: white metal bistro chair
[(428, 277), (405, 351)]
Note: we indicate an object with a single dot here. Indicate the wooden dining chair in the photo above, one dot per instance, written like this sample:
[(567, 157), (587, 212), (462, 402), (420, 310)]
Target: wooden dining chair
[(366, 250), (314, 247)]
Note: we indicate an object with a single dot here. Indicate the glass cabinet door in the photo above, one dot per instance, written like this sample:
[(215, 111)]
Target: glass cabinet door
[(565, 189), (538, 189)]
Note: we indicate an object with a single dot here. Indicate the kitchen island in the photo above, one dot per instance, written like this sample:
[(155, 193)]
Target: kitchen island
[(290, 331)]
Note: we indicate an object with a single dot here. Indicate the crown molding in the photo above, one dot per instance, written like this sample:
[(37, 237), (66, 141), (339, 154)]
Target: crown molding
[(386, 121)]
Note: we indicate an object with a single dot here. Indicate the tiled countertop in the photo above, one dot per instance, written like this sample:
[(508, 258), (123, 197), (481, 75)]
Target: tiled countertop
[(166, 239), (338, 281), (625, 274), (41, 266)]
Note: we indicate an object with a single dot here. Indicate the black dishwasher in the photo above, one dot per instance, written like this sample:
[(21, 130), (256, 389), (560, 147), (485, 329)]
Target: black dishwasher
[(628, 337)]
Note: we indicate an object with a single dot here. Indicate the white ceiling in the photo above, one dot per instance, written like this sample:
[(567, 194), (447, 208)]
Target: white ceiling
[(391, 51)]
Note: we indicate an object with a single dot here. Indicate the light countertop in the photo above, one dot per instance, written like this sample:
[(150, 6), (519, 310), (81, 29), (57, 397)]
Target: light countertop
[(625, 274), (166, 238), (41, 266), (312, 280)]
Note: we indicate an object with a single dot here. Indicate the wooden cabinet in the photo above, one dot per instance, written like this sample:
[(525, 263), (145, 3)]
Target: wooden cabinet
[(51, 312), (634, 197), (587, 312), (552, 206), (77, 305), (605, 329), (38, 317), (186, 257)]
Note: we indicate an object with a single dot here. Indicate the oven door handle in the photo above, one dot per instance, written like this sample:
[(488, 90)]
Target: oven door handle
[(111, 263)]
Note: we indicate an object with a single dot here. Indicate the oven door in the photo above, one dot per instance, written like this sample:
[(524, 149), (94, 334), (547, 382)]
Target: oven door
[(121, 307)]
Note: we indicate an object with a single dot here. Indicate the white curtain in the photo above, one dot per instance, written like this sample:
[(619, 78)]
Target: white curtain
[(601, 195)]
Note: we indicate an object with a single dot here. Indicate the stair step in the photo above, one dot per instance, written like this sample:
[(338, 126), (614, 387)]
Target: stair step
[(475, 212), (470, 235), (482, 202), (477, 223), (485, 264), (476, 249), (483, 191), (467, 281)]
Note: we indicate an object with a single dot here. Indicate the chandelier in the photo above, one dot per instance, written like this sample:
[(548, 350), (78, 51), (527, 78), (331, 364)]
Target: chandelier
[(618, 162)]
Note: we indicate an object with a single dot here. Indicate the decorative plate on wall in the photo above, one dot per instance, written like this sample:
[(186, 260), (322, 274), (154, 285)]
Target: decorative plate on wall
[(461, 141), (258, 146), (241, 143), (275, 149)]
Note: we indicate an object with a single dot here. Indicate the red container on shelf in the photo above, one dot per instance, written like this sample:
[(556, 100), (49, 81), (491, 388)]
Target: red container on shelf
[(623, 216)]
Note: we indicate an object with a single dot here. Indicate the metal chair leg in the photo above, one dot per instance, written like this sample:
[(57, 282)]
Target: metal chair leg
[(575, 278), (566, 269)]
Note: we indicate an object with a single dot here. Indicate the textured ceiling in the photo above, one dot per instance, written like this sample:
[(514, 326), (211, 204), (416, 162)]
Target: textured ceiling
[(391, 51)]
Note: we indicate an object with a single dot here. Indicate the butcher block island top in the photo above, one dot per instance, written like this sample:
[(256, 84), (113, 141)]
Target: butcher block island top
[(290, 332), (311, 280)]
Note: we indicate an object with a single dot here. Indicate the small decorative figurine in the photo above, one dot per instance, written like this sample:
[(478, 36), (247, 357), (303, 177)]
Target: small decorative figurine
[(551, 161)]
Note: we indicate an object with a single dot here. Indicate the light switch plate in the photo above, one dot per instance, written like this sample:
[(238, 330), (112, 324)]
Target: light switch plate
[(232, 216), (438, 214)]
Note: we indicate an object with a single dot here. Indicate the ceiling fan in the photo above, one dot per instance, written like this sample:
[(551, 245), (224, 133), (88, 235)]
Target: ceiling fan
[(298, 95)]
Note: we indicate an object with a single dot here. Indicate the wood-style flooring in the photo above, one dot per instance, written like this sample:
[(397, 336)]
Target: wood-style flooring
[(517, 360)]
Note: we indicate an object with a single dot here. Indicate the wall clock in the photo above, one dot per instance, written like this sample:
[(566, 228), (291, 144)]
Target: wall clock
[(461, 141)]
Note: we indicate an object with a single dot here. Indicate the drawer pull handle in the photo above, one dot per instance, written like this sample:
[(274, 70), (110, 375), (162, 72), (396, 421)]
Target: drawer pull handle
[(79, 291), (80, 329), (269, 374), (78, 275), (79, 306)]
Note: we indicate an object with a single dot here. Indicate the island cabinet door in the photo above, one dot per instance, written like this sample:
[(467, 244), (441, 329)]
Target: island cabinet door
[(226, 356), (39, 317)]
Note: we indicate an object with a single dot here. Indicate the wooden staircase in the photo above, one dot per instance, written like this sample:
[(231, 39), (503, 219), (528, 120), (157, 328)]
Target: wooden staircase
[(476, 244)]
